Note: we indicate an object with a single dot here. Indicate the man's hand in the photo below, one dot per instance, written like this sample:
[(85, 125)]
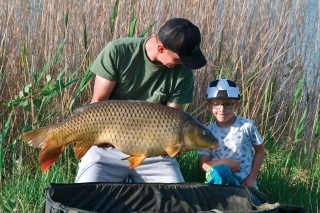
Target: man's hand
[(105, 145), (166, 155)]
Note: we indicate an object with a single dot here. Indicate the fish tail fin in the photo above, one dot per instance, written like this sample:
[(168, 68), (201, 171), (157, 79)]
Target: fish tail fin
[(37, 138), (50, 149)]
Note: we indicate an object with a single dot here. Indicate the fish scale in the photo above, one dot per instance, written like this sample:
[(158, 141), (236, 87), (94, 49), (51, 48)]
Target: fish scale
[(137, 128)]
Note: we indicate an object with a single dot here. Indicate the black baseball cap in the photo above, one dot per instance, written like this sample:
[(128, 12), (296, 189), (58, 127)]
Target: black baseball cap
[(182, 37)]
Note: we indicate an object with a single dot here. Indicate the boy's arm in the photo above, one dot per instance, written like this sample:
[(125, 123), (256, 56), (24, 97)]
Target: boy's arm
[(256, 165), (206, 163)]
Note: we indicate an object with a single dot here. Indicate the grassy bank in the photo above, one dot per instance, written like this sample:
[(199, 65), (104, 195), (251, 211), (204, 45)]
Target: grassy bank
[(268, 47)]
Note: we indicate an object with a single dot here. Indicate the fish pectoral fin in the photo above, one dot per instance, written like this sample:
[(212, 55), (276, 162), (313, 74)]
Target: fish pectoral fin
[(81, 148), (173, 150), (135, 160)]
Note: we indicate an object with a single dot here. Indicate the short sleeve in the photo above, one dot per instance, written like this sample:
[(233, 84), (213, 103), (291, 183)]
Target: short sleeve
[(256, 138), (105, 65), (184, 90), (204, 152)]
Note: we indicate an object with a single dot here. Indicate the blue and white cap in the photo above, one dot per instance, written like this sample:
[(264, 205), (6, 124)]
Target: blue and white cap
[(223, 88)]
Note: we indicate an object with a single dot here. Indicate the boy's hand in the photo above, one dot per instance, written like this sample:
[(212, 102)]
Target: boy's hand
[(248, 182), (232, 164)]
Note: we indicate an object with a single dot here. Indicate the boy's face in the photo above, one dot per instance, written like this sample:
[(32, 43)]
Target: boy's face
[(223, 110)]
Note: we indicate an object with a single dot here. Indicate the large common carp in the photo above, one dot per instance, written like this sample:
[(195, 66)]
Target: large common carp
[(137, 128)]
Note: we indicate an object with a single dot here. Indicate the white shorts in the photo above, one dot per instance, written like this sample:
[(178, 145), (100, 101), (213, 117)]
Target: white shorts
[(105, 165)]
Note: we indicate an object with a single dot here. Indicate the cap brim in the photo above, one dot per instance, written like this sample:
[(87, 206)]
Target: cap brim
[(194, 61), (223, 97)]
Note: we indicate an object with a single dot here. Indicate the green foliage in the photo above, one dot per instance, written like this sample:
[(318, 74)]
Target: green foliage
[(144, 33), (269, 94), (36, 100), (83, 84), (66, 22), (284, 175), (316, 126), (114, 17), (190, 167), (23, 191), (36, 96), (298, 92), (132, 26), (301, 125), (3, 136)]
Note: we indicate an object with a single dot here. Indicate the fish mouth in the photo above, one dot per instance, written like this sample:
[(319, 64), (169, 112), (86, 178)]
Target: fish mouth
[(213, 147)]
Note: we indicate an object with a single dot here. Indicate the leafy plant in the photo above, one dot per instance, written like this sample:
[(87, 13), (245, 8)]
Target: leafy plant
[(36, 97)]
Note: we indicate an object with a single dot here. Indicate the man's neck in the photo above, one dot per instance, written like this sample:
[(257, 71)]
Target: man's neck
[(151, 50)]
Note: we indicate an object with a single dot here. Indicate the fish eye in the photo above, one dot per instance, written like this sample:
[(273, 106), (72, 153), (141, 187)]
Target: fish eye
[(204, 133)]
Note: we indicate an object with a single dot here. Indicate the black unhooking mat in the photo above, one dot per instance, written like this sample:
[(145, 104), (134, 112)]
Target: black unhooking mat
[(162, 197)]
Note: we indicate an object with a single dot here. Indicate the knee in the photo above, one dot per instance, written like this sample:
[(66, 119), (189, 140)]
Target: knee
[(223, 171), (220, 174)]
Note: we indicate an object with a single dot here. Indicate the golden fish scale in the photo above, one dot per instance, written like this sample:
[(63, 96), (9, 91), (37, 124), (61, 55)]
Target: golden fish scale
[(144, 128)]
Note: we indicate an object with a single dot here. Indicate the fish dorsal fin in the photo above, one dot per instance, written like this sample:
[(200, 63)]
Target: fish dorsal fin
[(138, 101), (81, 148), (135, 160), (84, 108), (173, 149)]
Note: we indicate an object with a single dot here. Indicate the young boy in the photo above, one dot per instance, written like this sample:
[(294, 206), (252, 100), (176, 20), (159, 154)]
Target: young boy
[(234, 162)]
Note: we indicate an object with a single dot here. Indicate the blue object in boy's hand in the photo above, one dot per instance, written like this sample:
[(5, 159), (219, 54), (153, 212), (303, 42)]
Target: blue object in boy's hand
[(221, 175)]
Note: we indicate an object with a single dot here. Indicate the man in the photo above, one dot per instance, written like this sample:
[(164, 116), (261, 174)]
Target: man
[(157, 70)]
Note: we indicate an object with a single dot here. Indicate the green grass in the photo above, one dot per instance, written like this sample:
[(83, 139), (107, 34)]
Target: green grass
[(284, 178), (26, 192)]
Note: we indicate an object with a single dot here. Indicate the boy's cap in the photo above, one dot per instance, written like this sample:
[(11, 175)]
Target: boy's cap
[(223, 89), (182, 37)]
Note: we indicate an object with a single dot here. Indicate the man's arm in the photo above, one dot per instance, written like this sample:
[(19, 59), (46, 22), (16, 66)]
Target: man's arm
[(102, 89), (174, 105)]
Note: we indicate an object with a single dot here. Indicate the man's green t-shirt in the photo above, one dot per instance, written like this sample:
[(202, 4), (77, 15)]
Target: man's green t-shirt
[(124, 60)]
